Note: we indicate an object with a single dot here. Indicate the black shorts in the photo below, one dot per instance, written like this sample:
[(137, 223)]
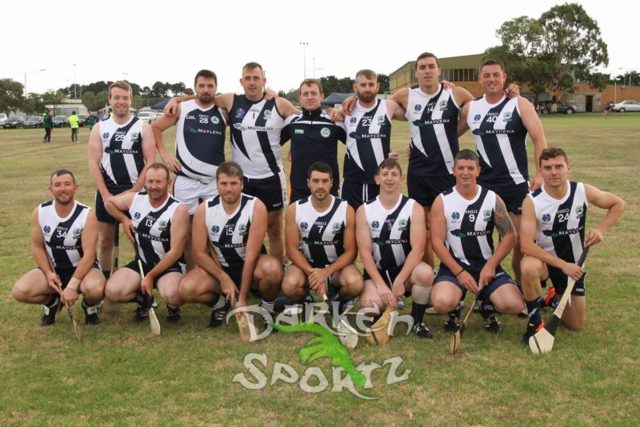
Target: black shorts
[(501, 278), (358, 193), (425, 189), (389, 276), (235, 273), (66, 274), (512, 197), (101, 212), (271, 191), (133, 265), (559, 280)]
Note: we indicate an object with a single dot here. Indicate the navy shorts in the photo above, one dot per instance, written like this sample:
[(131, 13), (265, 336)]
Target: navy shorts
[(272, 191), (501, 278), (358, 193), (425, 189), (235, 273), (178, 267), (512, 197), (66, 274), (389, 276), (559, 280), (101, 212)]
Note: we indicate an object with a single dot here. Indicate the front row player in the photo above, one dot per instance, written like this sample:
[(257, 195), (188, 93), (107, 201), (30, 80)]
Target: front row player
[(462, 223), (391, 236), (158, 225), (320, 236), (64, 233), (235, 225), (552, 235)]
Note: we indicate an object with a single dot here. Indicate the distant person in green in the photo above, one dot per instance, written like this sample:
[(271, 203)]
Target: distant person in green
[(91, 120), (47, 123), (74, 124)]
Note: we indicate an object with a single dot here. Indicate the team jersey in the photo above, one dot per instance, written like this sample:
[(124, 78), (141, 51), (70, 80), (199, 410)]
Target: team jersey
[(470, 226), (63, 236), (200, 137), (390, 232), (122, 158), (561, 223), (314, 137), (255, 136), (433, 120), (368, 141), (152, 227), (321, 233), (228, 233), (500, 140)]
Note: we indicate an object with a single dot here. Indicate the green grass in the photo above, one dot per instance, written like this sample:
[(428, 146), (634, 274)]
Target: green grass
[(122, 375)]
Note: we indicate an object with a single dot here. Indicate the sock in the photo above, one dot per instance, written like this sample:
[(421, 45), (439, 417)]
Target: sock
[(53, 301), (533, 308), (267, 305), (107, 274), (417, 312)]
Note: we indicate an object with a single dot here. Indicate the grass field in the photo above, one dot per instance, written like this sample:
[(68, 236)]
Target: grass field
[(120, 374)]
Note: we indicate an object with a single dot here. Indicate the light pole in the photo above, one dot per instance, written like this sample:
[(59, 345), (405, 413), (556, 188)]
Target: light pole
[(304, 57), (25, 79)]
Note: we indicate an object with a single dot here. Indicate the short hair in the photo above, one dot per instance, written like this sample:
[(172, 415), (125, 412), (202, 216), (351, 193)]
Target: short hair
[(230, 169), (207, 74), (251, 66), (310, 82), (160, 165), (552, 152), (491, 61), (320, 167), (369, 74), (427, 55), (121, 85), (60, 172), (467, 154), (389, 164), (73, 112)]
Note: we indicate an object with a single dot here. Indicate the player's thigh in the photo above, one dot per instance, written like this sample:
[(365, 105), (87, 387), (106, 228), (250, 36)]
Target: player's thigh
[(507, 298), (123, 282), (294, 278), (196, 282), (445, 296), (269, 269), (370, 296), (30, 285), (93, 282), (349, 277), (421, 275), (533, 269)]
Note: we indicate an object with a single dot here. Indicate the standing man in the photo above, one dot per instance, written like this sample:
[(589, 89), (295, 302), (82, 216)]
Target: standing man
[(500, 126), (119, 148), (390, 231), (314, 137), (74, 124), (553, 237), (47, 124), (462, 223), (158, 225), (199, 146), (235, 224), (321, 243), (63, 243), (368, 129)]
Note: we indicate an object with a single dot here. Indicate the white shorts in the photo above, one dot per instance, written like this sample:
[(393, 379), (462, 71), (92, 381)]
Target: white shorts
[(192, 192)]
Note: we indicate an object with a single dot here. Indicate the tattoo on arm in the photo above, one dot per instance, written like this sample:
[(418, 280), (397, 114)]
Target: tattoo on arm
[(502, 219)]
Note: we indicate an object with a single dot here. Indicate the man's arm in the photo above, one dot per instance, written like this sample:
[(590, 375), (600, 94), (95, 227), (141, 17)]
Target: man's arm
[(461, 96), (365, 249), (95, 155), (396, 111), (285, 107), (222, 101), (40, 254), (257, 231), (149, 154), (401, 97), (507, 233), (117, 206), (418, 240), (462, 122), (292, 241), (615, 206), (532, 123), (89, 240), (159, 126)]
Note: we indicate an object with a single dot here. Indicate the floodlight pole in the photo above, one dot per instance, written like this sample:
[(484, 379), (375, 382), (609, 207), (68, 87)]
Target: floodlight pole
[(304, 57)]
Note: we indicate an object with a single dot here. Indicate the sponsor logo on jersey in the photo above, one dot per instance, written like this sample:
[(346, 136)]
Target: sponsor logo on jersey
[(105, 135), (304, 225), (471, 233), (507, 116), (353, 120), (417, 107), (299, 131), (47, 229), (215, 229), (455, 215), (487, 214), (546, 217), (579, 211), (325, 132), (135, 135), (402, 224), (443, 105), (477, 118), (239, 113), (381, 120), (162, 225), (215, 120), (242, 229), (136, 215), (267, 114), (76, 233), (375, 225)]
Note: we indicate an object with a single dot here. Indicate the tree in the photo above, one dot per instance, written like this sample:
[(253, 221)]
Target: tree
[(93, 101), (383, 79), (33, 104), (553, 52), (53, 98), (11, 97)]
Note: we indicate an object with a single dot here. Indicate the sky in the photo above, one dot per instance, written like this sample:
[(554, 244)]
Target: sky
[(56, 43)]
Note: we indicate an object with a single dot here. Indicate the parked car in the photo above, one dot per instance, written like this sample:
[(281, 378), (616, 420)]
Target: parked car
[(3, 118), (34, 122), (82, 119), (628, 105), (561, 107), (13, 122), (59, 121), (148, 116)]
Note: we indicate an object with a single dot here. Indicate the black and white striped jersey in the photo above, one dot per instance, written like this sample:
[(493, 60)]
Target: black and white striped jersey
[(255, 136), (368, 141), (433, 120), (390, 231), (63, 236), (500, 141), (470, 226), (152, 227), (321, 233), (228, 233), (561, 223), (200, 135), (122, 158)]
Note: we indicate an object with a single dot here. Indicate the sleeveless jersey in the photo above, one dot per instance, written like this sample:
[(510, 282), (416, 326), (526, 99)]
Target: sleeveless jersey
[(255, 136), (500, 140), (200, 137), (368, 141), (433, 120), (63, 236), (228, 233), (470, 226), (321, 233), (561, 223), (153, 227), (122, 158), (390, 231)]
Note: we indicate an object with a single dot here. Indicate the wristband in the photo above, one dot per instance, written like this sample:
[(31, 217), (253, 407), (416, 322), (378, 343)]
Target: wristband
[(459, 272), (74, 284)]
